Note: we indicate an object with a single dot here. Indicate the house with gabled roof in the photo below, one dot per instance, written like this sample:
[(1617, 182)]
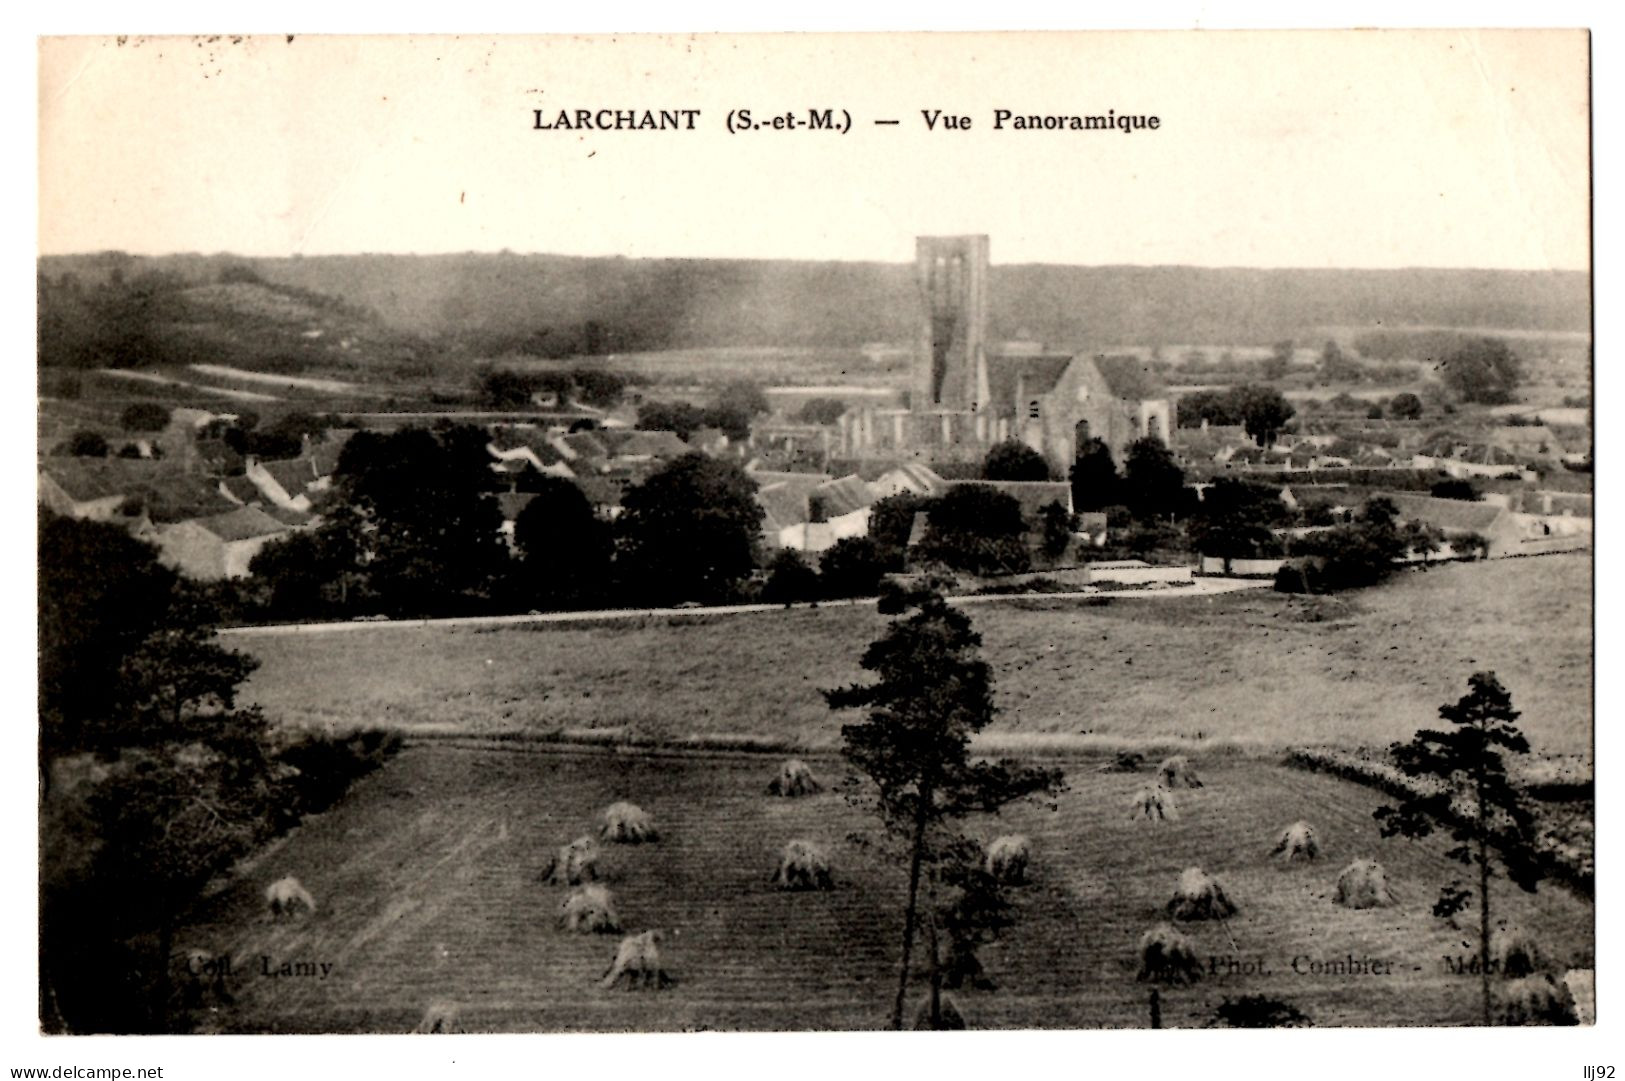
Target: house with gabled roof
[(324, 451), (176, 497), (240, 490), (287, 482), (94, 488), (603, 494), (915, 478), (1527, 443), (529, 447), (218, 546), (1457, 518), (584, 448), (811, 511), (640, 445)]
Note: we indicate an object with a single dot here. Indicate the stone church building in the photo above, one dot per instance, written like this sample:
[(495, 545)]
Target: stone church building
[(966, 393)]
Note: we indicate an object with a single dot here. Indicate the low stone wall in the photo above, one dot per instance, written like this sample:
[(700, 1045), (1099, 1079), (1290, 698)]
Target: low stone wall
[(1534, 546), (1123, 576), (1242, 568)]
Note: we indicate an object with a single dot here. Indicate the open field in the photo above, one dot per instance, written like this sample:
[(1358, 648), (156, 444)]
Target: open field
[(1255, 669), (427, 875), (788, 366)]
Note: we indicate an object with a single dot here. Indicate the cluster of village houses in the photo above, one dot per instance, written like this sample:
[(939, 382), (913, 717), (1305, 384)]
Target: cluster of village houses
[(209, 510)]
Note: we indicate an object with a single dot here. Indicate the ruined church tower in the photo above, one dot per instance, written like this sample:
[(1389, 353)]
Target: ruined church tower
[(950, 371)]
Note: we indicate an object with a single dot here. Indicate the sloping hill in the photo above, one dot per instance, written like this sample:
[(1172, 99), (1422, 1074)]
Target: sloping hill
[(560, 304)]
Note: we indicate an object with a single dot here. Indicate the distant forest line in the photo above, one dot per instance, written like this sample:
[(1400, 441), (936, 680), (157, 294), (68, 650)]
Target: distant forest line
[(549, 305)]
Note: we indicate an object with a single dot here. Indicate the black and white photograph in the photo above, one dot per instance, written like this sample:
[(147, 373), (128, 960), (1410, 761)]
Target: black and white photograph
[(814, 533)]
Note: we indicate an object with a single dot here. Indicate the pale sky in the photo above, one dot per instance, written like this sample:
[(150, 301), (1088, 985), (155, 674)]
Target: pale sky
[(1304, 149)]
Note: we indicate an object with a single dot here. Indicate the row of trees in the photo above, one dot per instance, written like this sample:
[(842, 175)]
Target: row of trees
[(1260, 410), (504, 388), (414, 529), (735, 406), (1151, 484)]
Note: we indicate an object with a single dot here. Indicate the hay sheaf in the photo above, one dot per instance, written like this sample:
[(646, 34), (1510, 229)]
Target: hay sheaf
[(794, 779), (1176, 772), (1167, 956), (638, 963), (1298, 842), (1007, 859), (574, 863), (1153, 803), (1200, 897), (1364, 884), (948, 1013), (589, 910), (440, 1018), (1536, 1000), (804, 865), (285, 895), (628, 824)]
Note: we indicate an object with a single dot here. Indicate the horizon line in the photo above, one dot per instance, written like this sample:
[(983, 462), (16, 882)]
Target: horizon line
[(505, 252)]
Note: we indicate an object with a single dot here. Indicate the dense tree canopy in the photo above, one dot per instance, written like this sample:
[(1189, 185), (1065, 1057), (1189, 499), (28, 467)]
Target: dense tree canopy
[(976, 528), (1217, 407), (789, 579), (87, 444), (1405, 406), (854, 566), (429, 533), (1456, 488), (1358, 554), (742, 396), (1014, 460), (689, 532), (1235, 520), (1263, 412), (1096, 484), (1153, 483), (1483, 370), (101, 593), (891, 519), (565, 549)]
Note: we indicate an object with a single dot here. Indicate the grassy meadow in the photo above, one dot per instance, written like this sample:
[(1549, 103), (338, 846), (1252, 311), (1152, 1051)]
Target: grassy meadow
[(1252, 670), (428, 884), (428, 875)]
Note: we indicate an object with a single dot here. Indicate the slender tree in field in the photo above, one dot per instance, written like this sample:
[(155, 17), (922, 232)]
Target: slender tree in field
[(932, 694), (1467, 791)]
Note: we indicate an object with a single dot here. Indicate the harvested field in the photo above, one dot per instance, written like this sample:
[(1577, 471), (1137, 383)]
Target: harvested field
[(428, 874), (1256, 669)]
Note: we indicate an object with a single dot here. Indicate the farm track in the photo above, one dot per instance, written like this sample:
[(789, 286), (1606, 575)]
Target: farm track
[(1200, 587), (428, 880)]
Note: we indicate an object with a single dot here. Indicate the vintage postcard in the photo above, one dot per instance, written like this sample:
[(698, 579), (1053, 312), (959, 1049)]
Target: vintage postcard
[(815, 533)]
